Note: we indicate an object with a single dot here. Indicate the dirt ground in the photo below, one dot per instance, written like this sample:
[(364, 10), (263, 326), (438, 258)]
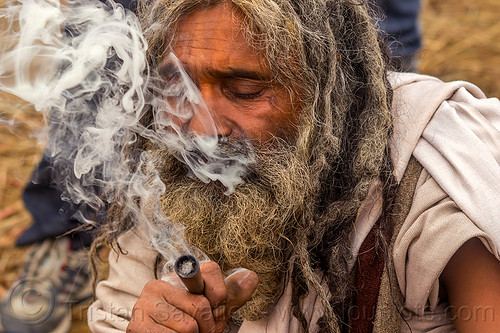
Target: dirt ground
[(460, 42)]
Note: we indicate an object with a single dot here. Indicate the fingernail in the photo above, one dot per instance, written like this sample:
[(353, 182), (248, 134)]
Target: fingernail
[(219, 311)]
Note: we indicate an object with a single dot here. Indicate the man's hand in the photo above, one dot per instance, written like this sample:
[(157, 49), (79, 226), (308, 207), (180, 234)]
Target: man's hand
[(168, 307)]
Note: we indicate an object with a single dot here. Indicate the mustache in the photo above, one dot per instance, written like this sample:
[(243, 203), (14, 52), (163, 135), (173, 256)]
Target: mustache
[(225, 160), (227, 153)]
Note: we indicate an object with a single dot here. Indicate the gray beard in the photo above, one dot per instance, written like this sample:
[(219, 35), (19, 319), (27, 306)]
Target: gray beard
[(252, 228)]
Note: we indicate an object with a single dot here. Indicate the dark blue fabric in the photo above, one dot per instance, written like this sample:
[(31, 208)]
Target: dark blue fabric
[(400, 22), (52, 216)]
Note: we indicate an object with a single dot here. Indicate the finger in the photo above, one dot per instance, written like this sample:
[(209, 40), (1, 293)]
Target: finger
[(152, 326), (215, 287), (167, 315), (178, 309), (195, 306), (148, 324), (240, 285)]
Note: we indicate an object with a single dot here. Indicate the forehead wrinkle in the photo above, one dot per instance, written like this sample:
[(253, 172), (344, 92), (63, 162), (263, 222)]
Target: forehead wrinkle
[(205, 21), (209, 41), (221, 62), (212, 39)]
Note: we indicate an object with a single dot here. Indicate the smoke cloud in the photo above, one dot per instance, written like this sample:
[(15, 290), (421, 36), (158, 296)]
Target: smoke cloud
[(83, 65)]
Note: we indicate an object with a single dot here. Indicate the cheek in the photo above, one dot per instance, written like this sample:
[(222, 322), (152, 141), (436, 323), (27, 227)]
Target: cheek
[(285, 116), (273, 120)]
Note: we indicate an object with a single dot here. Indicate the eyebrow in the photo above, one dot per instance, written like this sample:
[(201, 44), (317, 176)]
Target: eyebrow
[(238, 73), (167, 69)]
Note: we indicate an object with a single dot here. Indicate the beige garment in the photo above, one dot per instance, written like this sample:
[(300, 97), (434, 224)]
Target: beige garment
[(128, 274), (433, 231), (428, 237)]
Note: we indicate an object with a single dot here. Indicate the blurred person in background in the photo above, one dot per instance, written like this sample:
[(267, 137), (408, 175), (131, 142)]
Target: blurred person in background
[(399, 21)]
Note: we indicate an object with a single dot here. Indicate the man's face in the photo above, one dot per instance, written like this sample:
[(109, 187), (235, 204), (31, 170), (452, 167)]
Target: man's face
[(252, 226), (233, 78)]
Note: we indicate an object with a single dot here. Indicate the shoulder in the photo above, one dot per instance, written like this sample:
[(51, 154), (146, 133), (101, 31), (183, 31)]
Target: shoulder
[(434, 231), (415, 101)]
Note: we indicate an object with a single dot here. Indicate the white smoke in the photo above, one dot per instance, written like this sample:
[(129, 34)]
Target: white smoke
[(84, 66)]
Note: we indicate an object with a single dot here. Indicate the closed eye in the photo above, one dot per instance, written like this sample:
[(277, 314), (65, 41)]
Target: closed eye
[(244, 89), (247, 96)]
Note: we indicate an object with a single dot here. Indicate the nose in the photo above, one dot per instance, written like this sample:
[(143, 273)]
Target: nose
[(210, 121), (208, 125)]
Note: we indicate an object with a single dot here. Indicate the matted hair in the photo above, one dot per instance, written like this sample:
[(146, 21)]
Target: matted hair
[(329, 54)]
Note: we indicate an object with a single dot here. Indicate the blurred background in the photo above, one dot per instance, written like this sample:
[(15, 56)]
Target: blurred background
[(460, 42)]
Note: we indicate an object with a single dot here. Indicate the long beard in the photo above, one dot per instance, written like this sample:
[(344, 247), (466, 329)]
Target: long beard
[(252, 227)]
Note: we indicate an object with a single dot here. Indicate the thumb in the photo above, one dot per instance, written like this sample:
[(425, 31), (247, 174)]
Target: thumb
[(240, 284)]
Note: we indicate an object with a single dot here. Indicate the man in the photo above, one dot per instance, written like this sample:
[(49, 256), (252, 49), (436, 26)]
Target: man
[(325, 238)]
